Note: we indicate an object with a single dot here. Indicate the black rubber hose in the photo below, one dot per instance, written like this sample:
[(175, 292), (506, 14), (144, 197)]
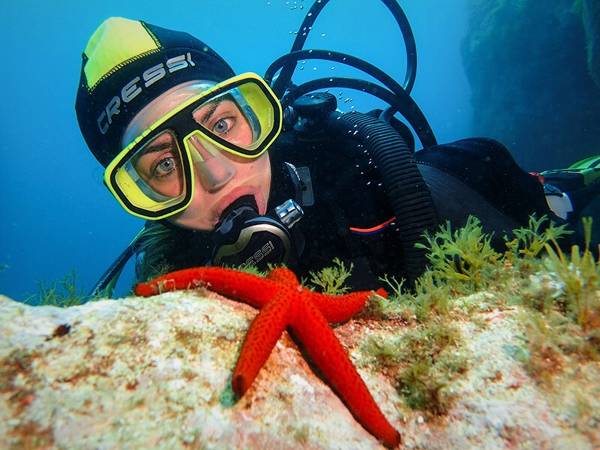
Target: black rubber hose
[(409, 43), (340, 57), (403, 103), (105, 285), (357, 63), (285, 77), (409, 196), (287, 71)]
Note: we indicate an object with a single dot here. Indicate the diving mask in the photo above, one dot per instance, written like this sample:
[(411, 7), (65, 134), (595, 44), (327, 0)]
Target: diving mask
[(153, 177)]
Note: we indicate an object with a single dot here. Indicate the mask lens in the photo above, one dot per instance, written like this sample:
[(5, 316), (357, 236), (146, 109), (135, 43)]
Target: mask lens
[(239, 118), (153, 177), (158, 166)]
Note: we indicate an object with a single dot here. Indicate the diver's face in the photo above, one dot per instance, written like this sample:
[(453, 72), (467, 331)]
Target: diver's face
[(221, 179)]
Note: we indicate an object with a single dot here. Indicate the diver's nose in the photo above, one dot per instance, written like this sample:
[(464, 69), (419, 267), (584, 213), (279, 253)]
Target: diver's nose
[(213, 168)]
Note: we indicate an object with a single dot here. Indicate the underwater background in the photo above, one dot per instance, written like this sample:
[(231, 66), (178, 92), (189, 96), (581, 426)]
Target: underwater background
[(526, 73)]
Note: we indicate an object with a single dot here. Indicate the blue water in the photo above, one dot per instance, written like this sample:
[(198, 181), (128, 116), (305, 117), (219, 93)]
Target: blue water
[(57, 216)]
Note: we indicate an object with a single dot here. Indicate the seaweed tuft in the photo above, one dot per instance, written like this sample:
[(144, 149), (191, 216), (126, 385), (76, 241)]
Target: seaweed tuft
[(530, 241), (332, 279), (579, 276), (462, 259), (63, 293)]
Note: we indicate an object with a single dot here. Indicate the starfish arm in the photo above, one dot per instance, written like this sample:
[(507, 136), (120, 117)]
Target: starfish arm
[(262, 336), (339, 308), (249, 288), (283, 275), (323, 347)]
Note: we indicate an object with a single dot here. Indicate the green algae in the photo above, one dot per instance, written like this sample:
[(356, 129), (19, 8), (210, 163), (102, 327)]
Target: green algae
[(530, 241), (464, 255), (579, 276), (558, 291), (426, 358), (561, 294), (62, 293), (332, 279)]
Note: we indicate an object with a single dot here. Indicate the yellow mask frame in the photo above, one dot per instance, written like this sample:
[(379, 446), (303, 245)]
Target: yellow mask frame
[(254, 96)]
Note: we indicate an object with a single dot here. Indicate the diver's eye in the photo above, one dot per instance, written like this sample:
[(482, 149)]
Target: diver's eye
[(164, 167), (225, 120), (222, 126)]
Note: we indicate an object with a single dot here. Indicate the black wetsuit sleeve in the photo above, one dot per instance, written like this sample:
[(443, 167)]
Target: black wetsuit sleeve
[(479, 177)]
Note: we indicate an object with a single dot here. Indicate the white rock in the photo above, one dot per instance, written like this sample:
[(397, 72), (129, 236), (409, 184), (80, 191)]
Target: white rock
[(155, 373)]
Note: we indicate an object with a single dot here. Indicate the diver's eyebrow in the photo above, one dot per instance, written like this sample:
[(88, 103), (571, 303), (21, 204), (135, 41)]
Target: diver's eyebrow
[(211, 110), (152, 147)]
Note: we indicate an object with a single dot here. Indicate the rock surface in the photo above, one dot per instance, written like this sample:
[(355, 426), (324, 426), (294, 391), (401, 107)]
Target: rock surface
[(155, 373), (534, 71)]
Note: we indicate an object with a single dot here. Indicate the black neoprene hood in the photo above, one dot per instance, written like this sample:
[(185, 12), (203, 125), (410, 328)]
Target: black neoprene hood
[(105, 108)]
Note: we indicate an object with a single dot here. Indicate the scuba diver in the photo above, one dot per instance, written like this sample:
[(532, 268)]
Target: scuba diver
[(240, 169)]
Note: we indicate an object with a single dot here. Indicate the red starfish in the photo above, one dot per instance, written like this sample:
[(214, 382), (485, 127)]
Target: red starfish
[(283, 302)]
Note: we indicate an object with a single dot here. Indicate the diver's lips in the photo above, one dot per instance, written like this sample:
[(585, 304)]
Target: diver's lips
[(231, 198)]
